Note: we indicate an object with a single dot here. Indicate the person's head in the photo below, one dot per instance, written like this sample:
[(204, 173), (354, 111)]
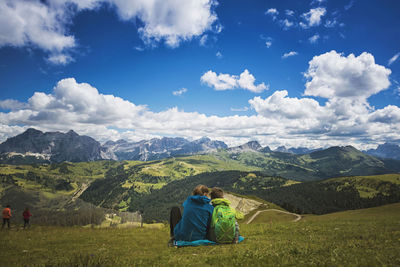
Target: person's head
[(26, 209), (201, 190), (8, 206), (217, 192)]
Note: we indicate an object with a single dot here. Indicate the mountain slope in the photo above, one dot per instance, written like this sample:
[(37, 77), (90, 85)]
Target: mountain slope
[(161, 148), (386, 150), (331, 162), (52, 147)]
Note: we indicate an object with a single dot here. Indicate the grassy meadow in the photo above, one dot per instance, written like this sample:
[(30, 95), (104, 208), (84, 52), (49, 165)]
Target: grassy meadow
[(368, 237)]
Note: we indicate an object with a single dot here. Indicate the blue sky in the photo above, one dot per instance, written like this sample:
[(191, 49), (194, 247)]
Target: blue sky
[(295, 73)]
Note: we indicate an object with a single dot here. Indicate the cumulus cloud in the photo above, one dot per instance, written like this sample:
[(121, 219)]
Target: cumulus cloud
[(268, 44), (227, 82), (169, 20), (393, 59), (290, 54), (23, 23), (333, 75), (279, 104), (45, 24), (218, 54), (344, 118), (313, 17), (179, 92)]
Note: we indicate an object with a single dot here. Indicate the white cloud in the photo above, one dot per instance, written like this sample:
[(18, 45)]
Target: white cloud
[(278, 104), (272, 12), (290, 54), (170, 20), (313, 39), (45, 24), (349, 5), (179, 92), (388, 115), (286, 23), (60, 59), (332, 75), (289, 12), (203, 40), (218, 54), (11, 104), (240, 109), (393, 59), (318, 2), (247, 80), (219, 82), (345, 118), (24, 23), (331, 23), (313, 17), (268, 40), (139, 48), (227, 82)]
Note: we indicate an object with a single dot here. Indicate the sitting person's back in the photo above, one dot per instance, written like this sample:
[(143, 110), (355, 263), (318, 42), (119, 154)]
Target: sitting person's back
[(196, 216), (224, 227)]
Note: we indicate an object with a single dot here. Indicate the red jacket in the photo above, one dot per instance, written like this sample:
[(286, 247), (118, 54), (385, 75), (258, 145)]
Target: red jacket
[(26, 214), (7, 213)]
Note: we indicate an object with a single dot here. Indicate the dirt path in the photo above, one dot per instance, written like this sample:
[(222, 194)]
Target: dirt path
[(298, 217), (79, 192)]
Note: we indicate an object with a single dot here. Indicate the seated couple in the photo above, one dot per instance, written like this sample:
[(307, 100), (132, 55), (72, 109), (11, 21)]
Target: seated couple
[(205, 218)]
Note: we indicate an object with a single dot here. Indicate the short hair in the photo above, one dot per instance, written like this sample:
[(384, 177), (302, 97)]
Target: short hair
[(200, 190), (8, 205), (217, 192)]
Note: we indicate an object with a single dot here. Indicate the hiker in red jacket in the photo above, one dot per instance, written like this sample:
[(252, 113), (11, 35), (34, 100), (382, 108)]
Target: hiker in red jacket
[(6, 216), (26, 214)]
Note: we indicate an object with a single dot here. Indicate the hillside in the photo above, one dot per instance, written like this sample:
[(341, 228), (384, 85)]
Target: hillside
[(368, 237), (331, 162), (157, 204), (51, 189), (130, 181), (338, 194)]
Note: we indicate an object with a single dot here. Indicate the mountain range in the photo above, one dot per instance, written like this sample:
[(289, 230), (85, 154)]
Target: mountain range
[(34, 146)]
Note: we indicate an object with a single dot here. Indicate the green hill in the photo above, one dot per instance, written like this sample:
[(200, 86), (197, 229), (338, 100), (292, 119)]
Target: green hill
[(319, 197), (331, 162)]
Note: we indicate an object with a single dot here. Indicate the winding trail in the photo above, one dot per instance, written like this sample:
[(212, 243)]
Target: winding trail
[(298, 217)]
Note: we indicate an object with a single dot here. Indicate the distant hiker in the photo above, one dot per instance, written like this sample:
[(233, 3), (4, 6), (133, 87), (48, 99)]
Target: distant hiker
[(224, 227), (6, 216), (26, 215), (194, 223)]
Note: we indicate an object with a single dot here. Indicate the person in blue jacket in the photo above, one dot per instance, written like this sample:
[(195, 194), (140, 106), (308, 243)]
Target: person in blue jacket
[(196, 219)]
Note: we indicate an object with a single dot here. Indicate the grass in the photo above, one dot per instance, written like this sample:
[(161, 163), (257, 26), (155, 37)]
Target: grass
[(369, 237), (272, 217)]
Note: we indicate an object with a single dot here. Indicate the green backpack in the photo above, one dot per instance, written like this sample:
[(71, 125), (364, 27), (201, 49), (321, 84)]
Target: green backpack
[(223, 224)]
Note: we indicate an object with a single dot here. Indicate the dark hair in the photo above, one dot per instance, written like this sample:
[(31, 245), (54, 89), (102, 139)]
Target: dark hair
[(200, 190), (26, 209), (8, 206), (217, 192)]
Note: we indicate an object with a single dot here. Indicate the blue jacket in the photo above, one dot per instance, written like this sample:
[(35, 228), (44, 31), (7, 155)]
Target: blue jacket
[(196, 219)]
